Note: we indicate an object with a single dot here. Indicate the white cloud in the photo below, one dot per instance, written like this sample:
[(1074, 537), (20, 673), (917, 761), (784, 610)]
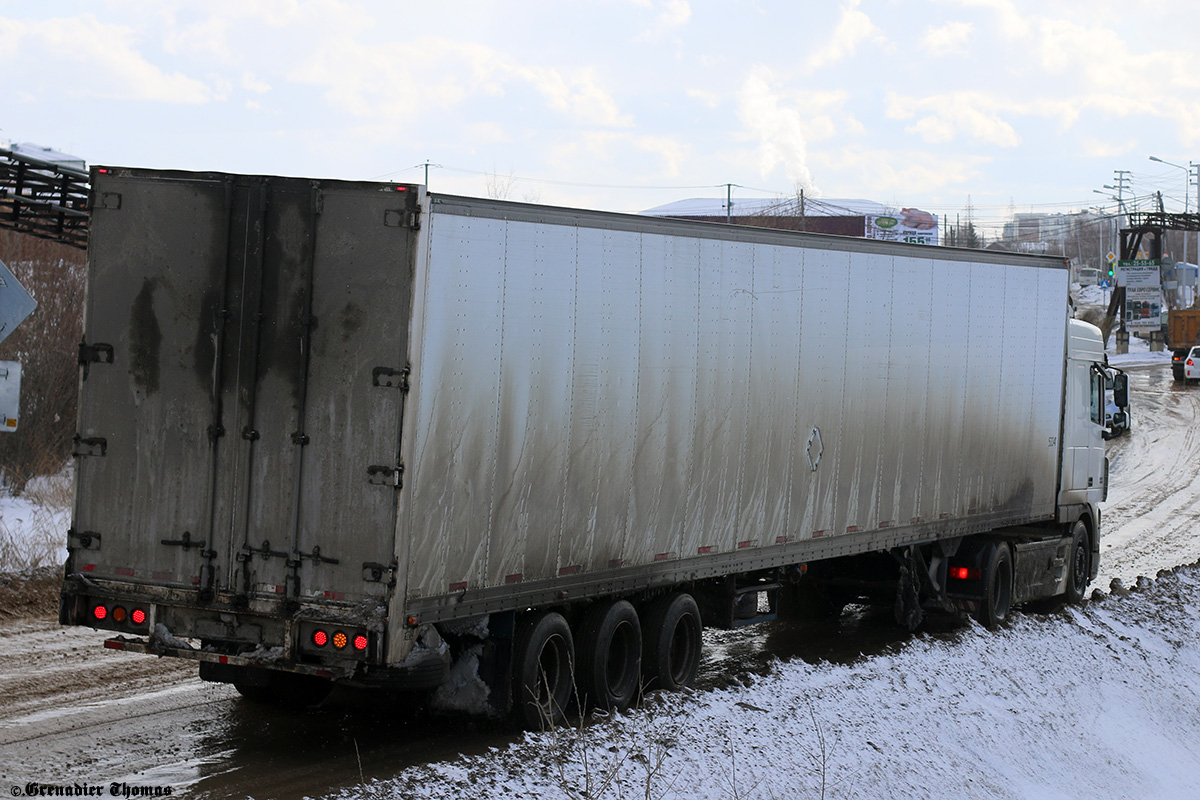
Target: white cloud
[(577, 95), (854, 28), (949, 39), (670, 152), (96, 60), (1013, 21), (879, 173), (390, 82), (706, 98), (944, 117), (674, 14), (1097, 148), (252, 83)]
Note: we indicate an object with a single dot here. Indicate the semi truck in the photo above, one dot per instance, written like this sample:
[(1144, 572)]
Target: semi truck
[(338, 432)]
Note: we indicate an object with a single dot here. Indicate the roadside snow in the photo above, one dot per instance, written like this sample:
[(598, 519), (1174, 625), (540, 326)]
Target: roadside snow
[(33, 527), (1099, 701)]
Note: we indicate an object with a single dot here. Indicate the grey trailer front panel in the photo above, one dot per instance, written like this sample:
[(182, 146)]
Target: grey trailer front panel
[(250, 413), (597, 395)]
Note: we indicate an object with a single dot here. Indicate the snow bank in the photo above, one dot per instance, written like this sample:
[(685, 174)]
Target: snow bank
[(33, 527), (1098, 701)]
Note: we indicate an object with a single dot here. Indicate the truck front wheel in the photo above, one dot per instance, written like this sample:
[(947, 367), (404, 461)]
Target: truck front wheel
[(996, 602), (543, 669), (1080, 566)]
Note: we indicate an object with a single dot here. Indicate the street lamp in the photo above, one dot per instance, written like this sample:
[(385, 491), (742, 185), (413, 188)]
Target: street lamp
[(1187, 186)]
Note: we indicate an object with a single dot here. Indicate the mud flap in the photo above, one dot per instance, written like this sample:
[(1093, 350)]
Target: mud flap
[(908, 596)]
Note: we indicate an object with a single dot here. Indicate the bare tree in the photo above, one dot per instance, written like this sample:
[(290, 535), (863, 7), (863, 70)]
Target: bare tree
[(46, 344)]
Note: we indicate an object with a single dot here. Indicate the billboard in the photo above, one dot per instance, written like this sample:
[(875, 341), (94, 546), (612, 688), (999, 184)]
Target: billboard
[(1143, 308), (909, 225), (1139, 272)]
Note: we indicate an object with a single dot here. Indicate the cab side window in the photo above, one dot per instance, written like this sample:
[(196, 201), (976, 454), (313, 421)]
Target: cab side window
[(1097, 399)]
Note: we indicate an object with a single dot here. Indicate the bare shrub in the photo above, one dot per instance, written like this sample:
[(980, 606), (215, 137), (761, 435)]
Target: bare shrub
[(46, 344)]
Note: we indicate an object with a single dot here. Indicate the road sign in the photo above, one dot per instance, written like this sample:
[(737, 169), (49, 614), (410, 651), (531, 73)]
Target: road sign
[(10, 395), (15, 303)]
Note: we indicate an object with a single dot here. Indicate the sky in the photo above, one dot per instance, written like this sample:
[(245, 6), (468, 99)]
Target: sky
[(623, 105)]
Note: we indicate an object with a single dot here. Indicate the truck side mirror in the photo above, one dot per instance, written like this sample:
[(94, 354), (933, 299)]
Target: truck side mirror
[(1121, 390)]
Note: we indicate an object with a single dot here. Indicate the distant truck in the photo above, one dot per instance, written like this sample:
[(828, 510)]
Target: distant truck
[(1183, 333), (351, 432)]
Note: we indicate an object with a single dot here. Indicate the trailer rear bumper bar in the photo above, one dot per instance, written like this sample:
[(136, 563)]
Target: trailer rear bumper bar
[(141, 646)]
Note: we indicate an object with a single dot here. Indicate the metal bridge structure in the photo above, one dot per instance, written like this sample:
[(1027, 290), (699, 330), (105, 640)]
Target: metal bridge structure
[(43, 194)]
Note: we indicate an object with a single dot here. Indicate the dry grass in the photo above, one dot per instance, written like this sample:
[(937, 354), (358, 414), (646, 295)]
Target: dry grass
[(33, 529)]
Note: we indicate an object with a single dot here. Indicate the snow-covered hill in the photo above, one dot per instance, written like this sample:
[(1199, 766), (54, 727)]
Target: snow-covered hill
[(1101, 701)]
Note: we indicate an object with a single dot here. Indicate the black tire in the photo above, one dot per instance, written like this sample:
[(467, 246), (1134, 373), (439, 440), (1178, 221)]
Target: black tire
[(610, 655), (671, 642), (543, 669), (1079, 563), (996, 602)]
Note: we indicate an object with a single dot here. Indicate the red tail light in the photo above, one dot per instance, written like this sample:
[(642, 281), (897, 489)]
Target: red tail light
[(138, 616), (100, 612), (320, 638), (360, 642), (964, 574)]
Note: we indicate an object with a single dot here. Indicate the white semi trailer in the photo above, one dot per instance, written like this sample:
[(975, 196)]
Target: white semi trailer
[(357, 432)]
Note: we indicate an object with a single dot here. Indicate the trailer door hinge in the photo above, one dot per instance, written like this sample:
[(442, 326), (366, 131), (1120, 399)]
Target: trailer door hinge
[(378, 475), (391, 378), (95, 446), (401, 218), (373, 571), (82, 540), (98, 353), (95, 353)]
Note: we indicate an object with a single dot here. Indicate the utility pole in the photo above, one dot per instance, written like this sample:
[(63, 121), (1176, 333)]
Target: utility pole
[(427, 165), (728, 203), (1122, 181)]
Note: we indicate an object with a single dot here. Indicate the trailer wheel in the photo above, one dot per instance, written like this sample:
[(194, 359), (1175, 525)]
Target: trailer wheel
[(1080, 568), (671, 642), (610, 655), (543, 669), (996, 602)]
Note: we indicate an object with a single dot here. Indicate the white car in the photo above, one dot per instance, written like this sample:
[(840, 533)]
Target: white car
[(1191, 365)]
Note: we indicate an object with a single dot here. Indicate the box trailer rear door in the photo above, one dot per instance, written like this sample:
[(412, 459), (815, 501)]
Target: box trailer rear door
[(243, 383)]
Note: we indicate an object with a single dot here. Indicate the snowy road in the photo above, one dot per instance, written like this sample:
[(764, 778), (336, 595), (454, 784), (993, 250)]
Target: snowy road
[(71, 711), (1152, 518)]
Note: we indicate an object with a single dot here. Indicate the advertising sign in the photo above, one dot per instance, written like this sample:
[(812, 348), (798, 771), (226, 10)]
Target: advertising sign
[(1143, 308), (1141, 272), (909, 225)]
